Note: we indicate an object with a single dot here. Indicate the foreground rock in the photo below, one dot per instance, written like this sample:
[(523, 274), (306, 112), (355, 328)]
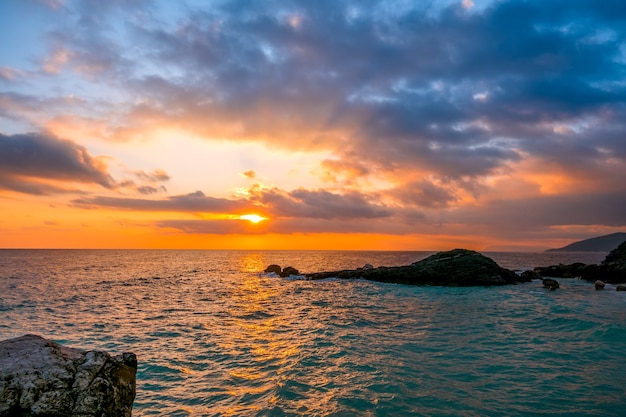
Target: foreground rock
[(611, 270), (455, 268), (41, 378)]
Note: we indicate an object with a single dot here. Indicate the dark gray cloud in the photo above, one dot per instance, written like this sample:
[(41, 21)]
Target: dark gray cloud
[(404, 88), (517, 216), (389, 88), (277, 203), (424, 194), (195, 202), (514, 218), (27, 159), (33, 187), (147, 189), (158, 175), (286, 226), (213, 227), (320, 204)]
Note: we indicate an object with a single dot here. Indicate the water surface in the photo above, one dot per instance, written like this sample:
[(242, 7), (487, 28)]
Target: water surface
[(216, 337)]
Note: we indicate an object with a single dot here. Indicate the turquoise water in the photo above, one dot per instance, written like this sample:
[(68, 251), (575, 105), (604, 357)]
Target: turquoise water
[(216, 337)]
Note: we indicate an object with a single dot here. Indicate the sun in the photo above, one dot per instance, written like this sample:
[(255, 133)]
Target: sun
[(254, 218)]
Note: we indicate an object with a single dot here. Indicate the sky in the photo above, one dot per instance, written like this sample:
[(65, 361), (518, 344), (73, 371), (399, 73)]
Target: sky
[(343, 124)]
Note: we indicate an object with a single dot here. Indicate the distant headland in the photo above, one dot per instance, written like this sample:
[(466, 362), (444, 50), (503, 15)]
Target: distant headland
[(603, 243)]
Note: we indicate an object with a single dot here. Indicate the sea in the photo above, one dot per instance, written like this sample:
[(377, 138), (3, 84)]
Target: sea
[(215, 336)]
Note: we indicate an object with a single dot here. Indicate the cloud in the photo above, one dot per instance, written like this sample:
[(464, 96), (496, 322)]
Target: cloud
[(517, 216), (216, 227), (305, 225), (56, 61), (33, 187), (318, 204), (10, 74), (195, 202), (424, 194), (249, 174), (27, 160), (300, 203), (427, 109), (395, 87), (146, 189), (395, 90)]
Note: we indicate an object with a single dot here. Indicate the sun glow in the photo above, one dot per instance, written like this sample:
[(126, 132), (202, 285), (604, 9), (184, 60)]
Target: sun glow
[(254, 218)]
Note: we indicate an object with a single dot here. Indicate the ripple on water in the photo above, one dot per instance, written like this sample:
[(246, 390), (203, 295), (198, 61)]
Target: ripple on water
[(212, 340)]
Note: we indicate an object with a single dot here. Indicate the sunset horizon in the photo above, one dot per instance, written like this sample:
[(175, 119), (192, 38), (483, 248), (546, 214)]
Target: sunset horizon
[(231, 125)]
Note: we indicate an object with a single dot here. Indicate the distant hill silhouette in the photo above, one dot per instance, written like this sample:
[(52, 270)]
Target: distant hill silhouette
[(604, 243)]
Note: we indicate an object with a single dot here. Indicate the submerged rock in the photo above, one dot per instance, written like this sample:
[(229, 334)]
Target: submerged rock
[(550, 284), (530, 275), (620, 288), (39, 377), (458, 268), (563, 271), (599, 285)]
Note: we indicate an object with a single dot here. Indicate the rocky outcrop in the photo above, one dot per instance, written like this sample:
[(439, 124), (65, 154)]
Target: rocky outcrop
[(574, 270), (284, 272), (455, 268), (612, 270), (39, 377), (614, 265), (529, 275), (273, 268), (550, 284), (288, 271)]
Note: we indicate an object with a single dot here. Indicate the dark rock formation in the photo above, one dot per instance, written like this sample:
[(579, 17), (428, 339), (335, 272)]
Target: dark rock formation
[(612, 270), (530, 275), (620, 288), (614, 265), (289, 270), (599, 285), (563, 271), (273, 268), (285, 272), (41, 378), (550, 284), (456, 268)]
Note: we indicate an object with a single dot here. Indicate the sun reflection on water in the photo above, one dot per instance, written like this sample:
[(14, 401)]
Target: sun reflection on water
[(251, 262), (258, 337)]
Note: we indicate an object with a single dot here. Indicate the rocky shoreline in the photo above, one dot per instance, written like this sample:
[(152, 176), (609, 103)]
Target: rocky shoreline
[(463, 268), (455, 268), (611, 270)]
